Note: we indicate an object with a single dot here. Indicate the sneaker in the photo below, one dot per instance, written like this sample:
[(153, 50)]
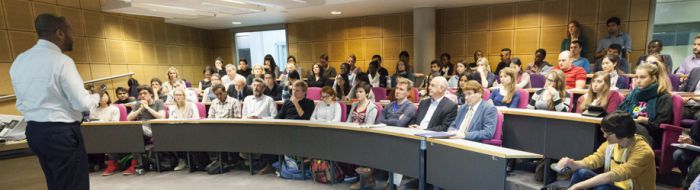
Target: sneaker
[(181, 164), (111, 167), (132, 168), (350, 179)]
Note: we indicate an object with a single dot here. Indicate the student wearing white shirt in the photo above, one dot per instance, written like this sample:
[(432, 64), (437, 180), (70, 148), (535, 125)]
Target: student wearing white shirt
[(327, 110), (181, 109), (231, 75), (104, 111), (259, 105), (50, 96), (190, 95)]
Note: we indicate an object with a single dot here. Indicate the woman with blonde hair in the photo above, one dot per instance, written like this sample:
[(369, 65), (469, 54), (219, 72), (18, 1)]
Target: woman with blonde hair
[(553, 96), (483, 73), (650, 102), (173, 76), (600, 94), (506, 94), (258, 72)]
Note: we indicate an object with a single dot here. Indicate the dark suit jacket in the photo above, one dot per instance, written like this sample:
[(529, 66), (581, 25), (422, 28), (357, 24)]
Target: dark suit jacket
[(445, 113), (232, 92), (692, 81)]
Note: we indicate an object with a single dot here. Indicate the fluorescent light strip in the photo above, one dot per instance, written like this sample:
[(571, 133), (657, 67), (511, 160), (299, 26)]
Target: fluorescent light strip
[(248, 8)]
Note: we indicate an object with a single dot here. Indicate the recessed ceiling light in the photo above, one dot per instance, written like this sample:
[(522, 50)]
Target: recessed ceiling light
[(336, 12), (236, 23)]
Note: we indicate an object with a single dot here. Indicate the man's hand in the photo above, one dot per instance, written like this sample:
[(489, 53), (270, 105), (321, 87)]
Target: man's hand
[(413, 126)]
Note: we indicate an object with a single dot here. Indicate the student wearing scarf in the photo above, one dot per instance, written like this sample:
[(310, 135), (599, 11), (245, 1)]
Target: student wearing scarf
[(649, 103)]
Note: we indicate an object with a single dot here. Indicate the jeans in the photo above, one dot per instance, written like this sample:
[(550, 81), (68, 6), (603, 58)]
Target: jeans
[(585, 174)]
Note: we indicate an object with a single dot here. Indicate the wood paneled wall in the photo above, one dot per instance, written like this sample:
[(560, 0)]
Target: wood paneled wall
[(384, 35), (105, 44), (526, 26)]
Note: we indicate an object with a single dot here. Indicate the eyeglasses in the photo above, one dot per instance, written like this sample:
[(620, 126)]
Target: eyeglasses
[(606, 133)]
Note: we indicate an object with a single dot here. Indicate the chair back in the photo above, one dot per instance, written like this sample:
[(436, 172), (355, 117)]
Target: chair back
[(524, 98), (486, 94), (537, 80), (344, 111), (379, 111), (379, 93), (313, 93), (496, 140), (122, 111), (202, 110)]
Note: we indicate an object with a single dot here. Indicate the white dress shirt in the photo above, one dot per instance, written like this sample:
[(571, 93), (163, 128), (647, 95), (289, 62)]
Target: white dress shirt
[(263, 107), (428, 115), (226, 81), (47, 85), (109, 113)]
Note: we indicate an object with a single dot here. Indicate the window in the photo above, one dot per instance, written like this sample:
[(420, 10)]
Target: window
[(253, 46)]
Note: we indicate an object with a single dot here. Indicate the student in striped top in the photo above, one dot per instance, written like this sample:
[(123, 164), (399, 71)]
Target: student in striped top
[(553, 96)]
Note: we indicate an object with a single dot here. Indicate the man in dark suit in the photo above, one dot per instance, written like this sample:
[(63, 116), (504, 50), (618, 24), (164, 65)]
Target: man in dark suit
[(239, 90), (437, 112)]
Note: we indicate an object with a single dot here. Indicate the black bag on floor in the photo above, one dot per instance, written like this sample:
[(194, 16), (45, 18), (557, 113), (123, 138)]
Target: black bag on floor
[(216, 168), (167, 161), (199, 161)]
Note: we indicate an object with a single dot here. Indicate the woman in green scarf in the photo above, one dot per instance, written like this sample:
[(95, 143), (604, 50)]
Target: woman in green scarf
[(650, 102)]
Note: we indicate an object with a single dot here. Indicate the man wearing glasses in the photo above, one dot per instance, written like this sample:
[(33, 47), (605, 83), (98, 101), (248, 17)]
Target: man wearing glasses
[(627, 159)]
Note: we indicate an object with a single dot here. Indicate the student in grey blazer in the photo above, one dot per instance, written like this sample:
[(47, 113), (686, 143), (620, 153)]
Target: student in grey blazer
[(482, 123)]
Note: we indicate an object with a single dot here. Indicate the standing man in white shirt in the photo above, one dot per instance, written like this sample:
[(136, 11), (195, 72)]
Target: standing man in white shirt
[(51, 100), (259, 105)]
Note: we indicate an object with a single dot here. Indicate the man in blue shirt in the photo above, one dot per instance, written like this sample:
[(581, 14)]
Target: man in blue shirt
[(615, 36), (576, 58)]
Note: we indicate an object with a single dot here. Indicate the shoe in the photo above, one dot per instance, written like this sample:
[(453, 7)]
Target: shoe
[(350, 179), (366, 179), (111, 167), (266, 170), (132, 168), (181, 164)]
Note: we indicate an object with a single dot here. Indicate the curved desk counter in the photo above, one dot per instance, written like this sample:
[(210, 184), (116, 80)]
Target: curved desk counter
[(552, 134), (393, 149)]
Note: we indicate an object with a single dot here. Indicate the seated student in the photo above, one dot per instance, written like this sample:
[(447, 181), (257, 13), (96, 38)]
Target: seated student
[(476, 120), (224, 106), (239, 90), (483, 73), (362, 77), (600, 94), (446, 67), (231, 75), (402, 71), (182, 109), (364, 111), (505, 94), (208, 94), (550, 97), (376, 78), (158, 93), (437, 112), (124, 98), (206, 82), (686, 160), (575, 76), (291, 66), (287, 87), (626, 159), (272, 89), (522, 78), (298, 106), (539, 66), (460, 91), (460, 69), (654, 48), (342, 87), (190, 95), (434, 72), (259, 105), (316, 78), (146, 108), (257, 73), (104, 111), (650, 102), (610, 67), (614, 50), (478, 54), (243, 68), (399, 112), (270, 65), (327, 110), (576, 58), (173, 76)]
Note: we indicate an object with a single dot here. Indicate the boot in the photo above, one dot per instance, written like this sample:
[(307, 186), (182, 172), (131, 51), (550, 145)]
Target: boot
[(366, 179), (111, 167), (132, 168)]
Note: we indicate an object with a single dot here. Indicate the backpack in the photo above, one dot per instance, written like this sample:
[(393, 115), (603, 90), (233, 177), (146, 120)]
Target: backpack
[(166, 160), (288, 169), (321, 171)]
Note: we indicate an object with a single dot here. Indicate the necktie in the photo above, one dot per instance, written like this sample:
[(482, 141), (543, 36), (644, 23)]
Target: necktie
[(467, 120)]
